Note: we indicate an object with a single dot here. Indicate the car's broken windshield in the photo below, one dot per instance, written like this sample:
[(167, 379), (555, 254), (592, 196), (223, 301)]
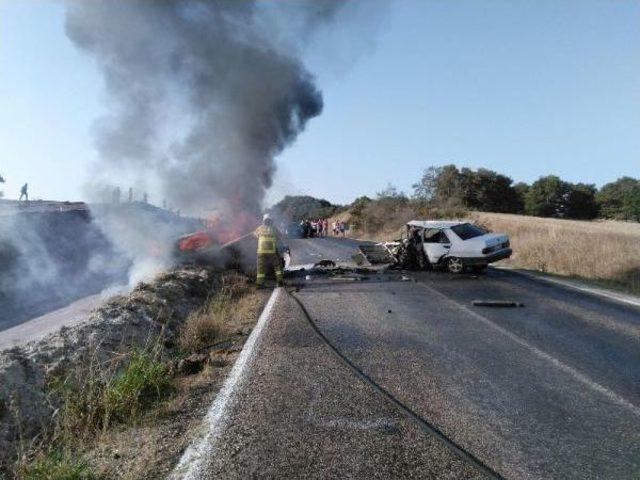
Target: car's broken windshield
[(467, 231)]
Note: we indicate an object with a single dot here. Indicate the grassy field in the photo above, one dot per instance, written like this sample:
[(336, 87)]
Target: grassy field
[(605, 251)]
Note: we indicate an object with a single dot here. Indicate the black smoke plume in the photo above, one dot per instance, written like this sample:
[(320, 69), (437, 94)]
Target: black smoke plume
[(203, 94)]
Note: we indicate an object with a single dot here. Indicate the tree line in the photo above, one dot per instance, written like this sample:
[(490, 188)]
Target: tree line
[(452, 189), (302, 207), (549, 196)]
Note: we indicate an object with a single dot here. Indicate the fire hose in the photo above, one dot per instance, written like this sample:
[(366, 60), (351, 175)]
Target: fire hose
[(426, 426)]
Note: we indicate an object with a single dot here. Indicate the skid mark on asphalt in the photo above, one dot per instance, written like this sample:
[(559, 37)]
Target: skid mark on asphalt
[(582, 378)]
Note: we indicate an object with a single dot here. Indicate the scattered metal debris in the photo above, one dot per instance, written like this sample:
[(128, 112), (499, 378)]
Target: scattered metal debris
[(497, 303), (378, 254), (324, 263)]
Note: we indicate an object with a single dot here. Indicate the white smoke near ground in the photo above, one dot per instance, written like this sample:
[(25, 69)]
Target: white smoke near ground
[(50, 255)]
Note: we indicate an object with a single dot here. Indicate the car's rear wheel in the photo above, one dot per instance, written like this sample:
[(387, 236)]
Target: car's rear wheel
[(455, 265)]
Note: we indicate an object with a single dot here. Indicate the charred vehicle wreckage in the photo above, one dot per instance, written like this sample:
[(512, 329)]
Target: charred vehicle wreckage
[(456, 246)]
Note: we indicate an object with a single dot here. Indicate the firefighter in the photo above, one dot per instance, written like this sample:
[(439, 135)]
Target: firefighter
[(268, 256)]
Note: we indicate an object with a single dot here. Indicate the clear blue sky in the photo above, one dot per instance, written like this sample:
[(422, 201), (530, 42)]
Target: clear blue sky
[(526, 88)]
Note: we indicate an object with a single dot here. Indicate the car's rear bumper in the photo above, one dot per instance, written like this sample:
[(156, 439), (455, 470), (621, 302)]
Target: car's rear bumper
[(494, 257)]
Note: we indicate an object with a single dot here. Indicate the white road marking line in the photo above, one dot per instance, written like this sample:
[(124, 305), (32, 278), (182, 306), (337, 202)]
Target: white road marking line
[(623, 402), (215, 422), (619, 297)]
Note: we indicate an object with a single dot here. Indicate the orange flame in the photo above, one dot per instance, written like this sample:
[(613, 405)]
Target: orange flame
[(219, 229)]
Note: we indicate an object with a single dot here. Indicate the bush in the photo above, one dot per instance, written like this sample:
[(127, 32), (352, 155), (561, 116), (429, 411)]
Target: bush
[(95, 395), (143, 381)]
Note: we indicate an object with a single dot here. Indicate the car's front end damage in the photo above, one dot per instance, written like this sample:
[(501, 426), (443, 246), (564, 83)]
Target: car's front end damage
[(454, 245)]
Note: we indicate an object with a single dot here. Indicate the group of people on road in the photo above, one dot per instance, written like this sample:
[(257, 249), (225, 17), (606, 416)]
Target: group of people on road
[(314, 228), (339, 228), (321, 227)]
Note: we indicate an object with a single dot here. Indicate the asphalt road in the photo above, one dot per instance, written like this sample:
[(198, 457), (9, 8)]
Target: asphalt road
[(37, 328), (309, 251), (549, 390)]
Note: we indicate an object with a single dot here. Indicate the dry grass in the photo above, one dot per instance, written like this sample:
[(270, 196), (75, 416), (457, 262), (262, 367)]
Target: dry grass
[(606, 251), (205, 326), (202, 328)]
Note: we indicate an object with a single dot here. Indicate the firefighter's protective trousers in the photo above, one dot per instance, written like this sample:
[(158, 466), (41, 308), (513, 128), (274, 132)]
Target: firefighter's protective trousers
[(268, 258)]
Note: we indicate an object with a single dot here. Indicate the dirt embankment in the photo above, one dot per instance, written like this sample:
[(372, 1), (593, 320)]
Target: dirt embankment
[(121, 395), (148, 317)]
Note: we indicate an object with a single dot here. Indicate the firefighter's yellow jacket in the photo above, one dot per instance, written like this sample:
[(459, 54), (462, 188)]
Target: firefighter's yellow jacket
[(269, 240)]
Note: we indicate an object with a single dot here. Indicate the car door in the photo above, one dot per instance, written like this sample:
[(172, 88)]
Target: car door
[(436, 244)]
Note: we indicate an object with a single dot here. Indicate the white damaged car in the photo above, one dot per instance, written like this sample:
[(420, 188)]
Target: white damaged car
[(456, 245)]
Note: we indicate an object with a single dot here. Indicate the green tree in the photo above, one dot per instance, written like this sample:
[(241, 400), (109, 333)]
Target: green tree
[(391, 192), (616, 199), (482, 189), (547, 197), (631, 204), (359, 204), (521, 190), (489, 191), (449, 186), (425, 189), (299, 207), (581, 202)]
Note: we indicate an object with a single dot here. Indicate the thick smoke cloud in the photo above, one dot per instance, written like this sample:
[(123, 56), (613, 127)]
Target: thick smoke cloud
[(202, 94)]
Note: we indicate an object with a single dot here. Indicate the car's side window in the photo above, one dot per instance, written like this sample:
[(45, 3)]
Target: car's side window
[(443, 238), (432, 235)]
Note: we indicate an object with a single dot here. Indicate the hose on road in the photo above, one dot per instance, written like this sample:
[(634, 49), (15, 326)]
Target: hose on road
[(424, 424)]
